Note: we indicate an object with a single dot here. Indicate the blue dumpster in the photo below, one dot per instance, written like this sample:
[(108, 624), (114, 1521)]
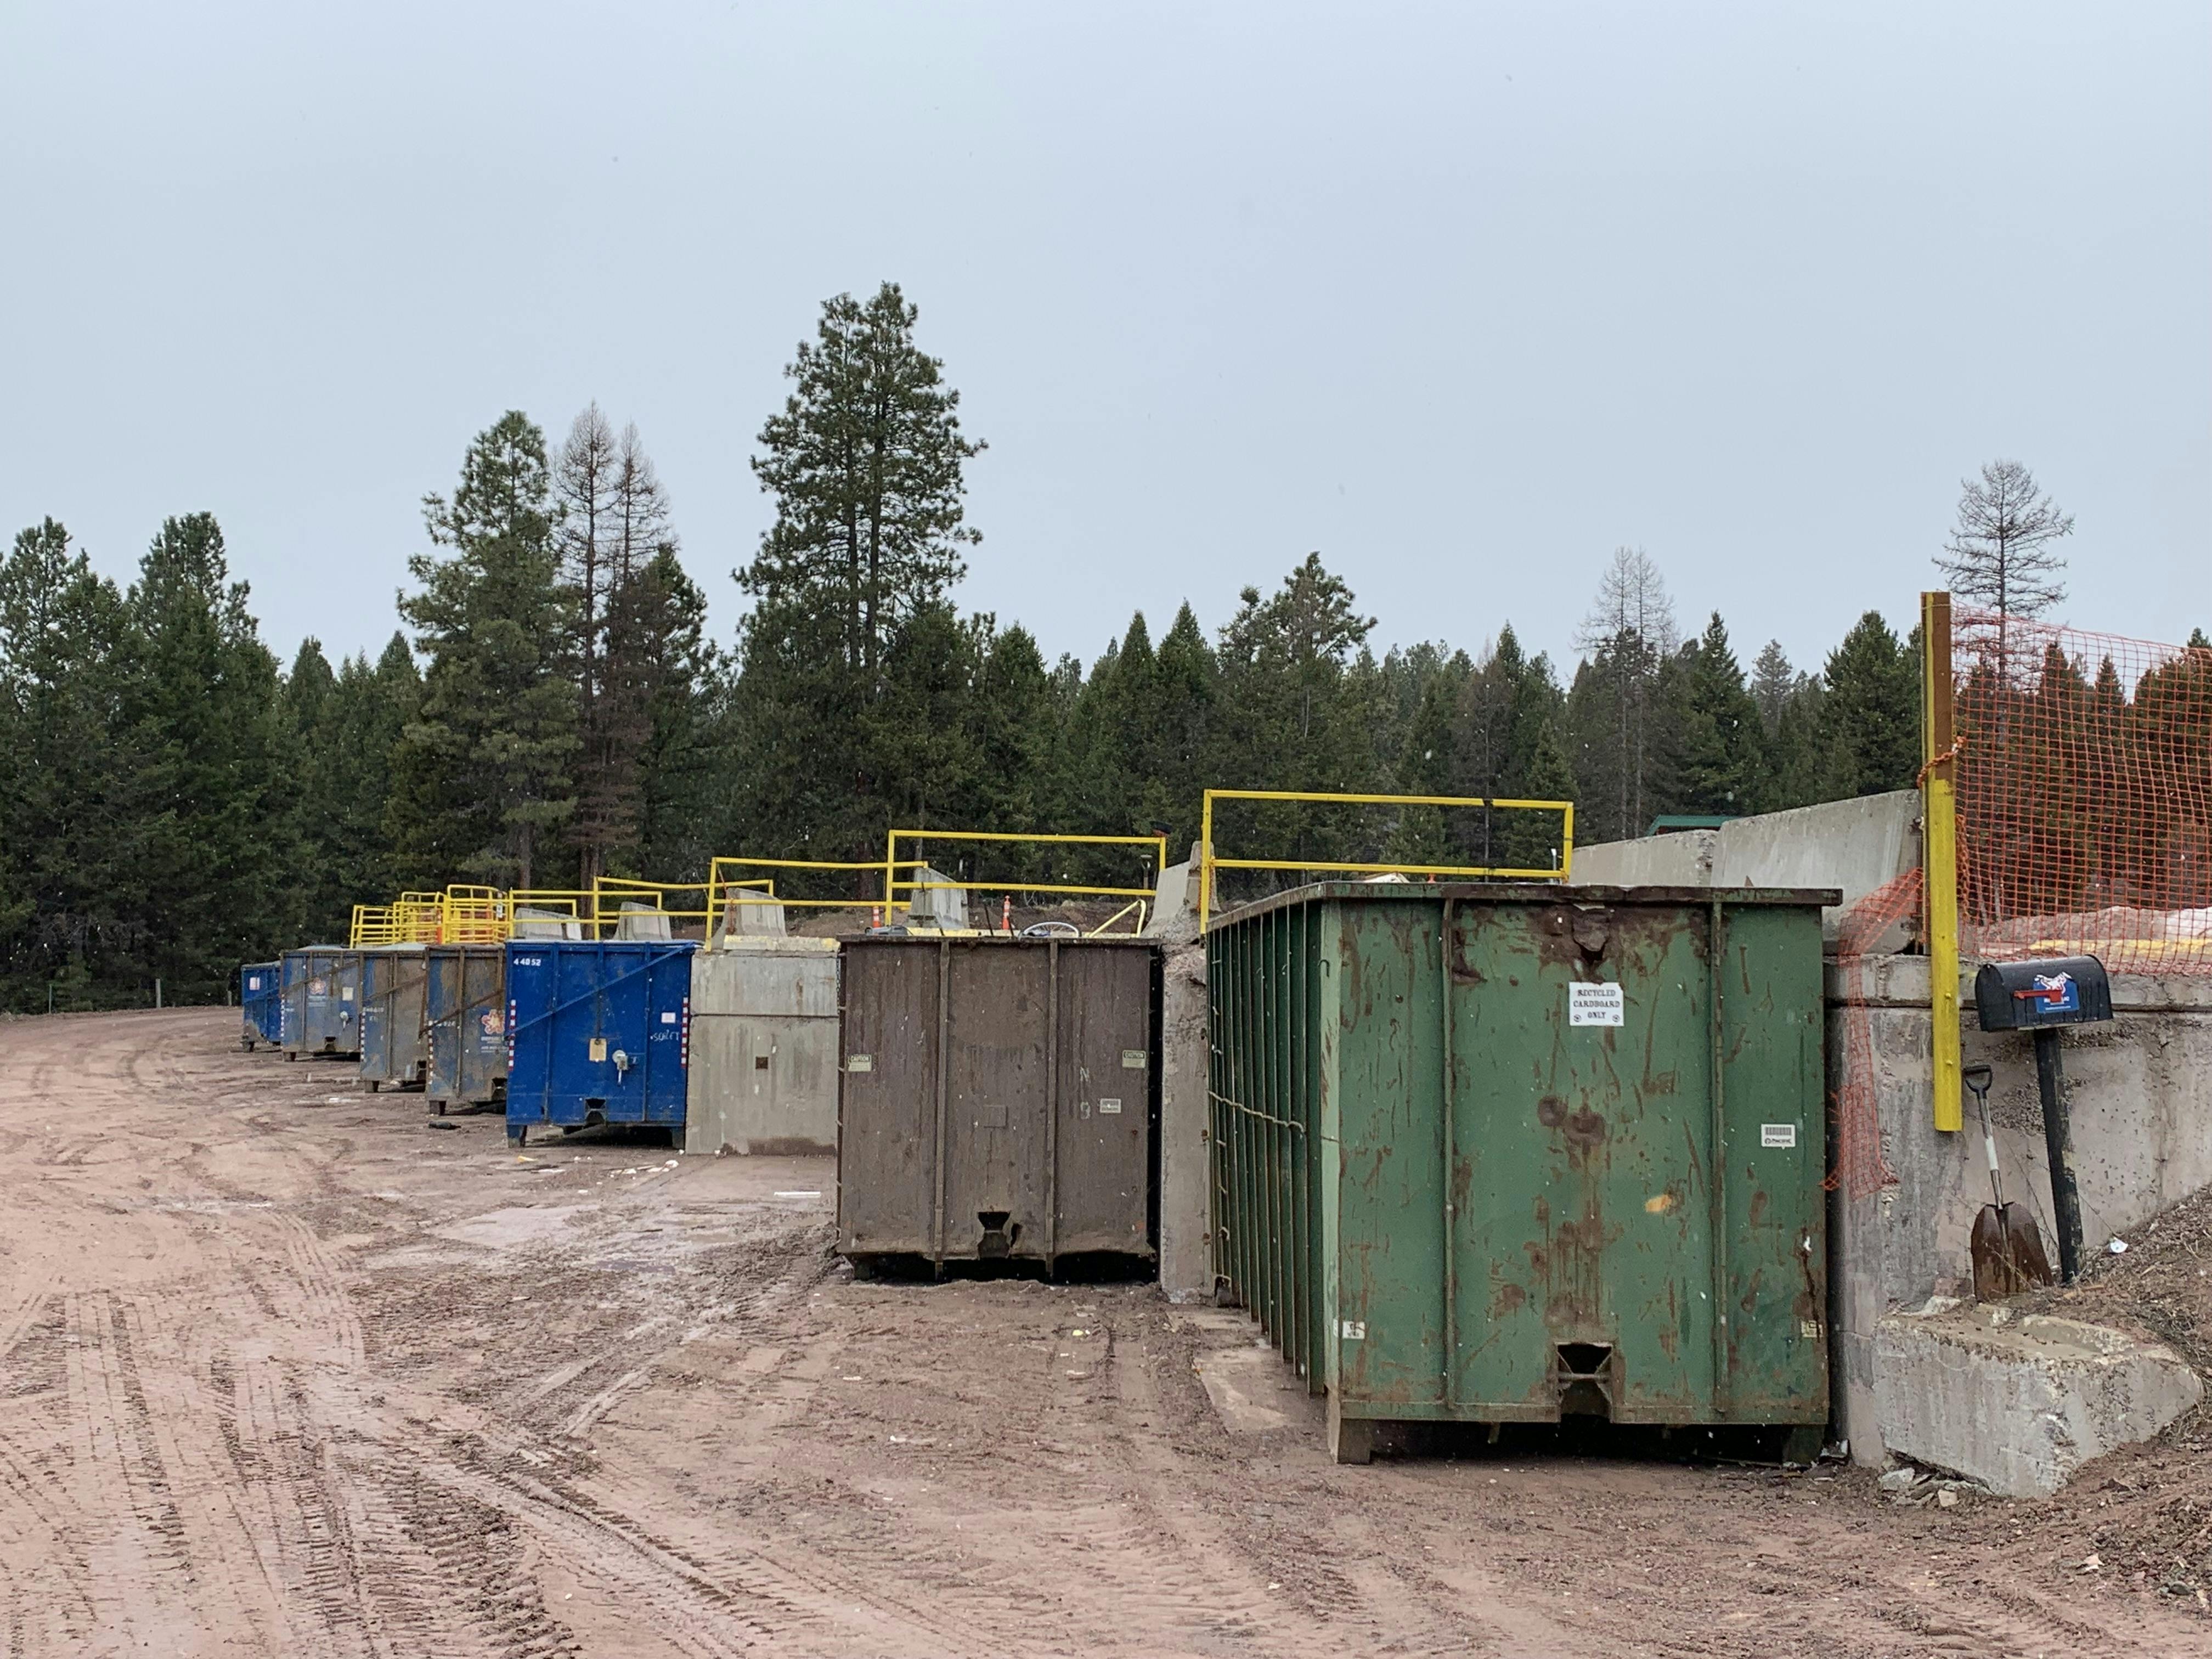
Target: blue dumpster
[(322, 1002), (261, 1000), (391, 996), (599, 1031), (464, 1024)]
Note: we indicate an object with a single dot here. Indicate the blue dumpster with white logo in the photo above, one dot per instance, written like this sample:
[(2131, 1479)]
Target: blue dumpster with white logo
[(321, 994), (261, 1000), (599, 1031)]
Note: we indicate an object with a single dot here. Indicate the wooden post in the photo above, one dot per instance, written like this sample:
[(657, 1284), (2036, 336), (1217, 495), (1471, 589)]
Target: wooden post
[(1939, 820)]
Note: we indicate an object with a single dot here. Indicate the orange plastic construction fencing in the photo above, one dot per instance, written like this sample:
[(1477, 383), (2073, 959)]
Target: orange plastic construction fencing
[(2084, 771)]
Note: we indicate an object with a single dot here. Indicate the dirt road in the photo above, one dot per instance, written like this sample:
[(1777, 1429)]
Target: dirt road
[(289, 1372)]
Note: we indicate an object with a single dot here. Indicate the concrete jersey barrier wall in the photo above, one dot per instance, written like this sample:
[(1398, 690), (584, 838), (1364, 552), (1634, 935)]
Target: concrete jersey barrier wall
[(1855, 846), (2141, 1092)]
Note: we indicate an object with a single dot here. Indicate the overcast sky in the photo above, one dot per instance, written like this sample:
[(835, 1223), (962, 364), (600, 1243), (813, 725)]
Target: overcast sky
[(1462, 296)]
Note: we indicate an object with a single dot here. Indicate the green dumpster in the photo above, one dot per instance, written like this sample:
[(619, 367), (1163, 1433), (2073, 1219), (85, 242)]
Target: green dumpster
[(1495, 1153)]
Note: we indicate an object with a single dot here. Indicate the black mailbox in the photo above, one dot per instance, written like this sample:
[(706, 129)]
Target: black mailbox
[(2024, 996)]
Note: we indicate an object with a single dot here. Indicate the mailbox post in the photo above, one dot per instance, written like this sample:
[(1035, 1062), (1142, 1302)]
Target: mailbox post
[(2040, 996)]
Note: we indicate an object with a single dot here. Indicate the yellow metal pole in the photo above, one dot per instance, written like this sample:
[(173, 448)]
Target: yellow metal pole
[(1940, 859)]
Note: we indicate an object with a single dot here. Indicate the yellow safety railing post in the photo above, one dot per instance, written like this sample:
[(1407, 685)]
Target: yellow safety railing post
[(1939, 818)]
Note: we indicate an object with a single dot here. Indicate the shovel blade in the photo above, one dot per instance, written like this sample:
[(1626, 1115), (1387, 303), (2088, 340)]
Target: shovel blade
[(2007, 1254)]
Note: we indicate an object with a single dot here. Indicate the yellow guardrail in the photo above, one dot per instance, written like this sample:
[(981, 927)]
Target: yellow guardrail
[(892, 863), (725, 889), (1565, 809)]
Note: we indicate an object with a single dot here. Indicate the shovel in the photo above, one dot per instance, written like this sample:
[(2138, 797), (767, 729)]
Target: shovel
[(2008, 1250)]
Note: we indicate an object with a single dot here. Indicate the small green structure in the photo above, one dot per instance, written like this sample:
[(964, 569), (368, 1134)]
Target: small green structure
[(1501, 1152)]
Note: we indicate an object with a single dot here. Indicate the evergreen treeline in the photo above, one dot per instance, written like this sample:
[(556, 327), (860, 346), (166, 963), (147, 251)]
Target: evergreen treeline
[(177, 801)]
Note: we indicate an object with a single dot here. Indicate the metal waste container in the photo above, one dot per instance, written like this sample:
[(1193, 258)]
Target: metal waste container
[(260, 1001), (763, 1048), (321, 995), (996, 1099), (598, 1031), (464, 1024), (1508, 1153), (393, 979)]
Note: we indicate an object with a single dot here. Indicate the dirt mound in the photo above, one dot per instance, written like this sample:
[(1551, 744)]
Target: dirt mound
[(2142, 1516)]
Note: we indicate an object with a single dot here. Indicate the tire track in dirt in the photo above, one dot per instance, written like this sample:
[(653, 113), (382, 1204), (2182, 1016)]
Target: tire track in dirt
[(135, 1540), (19, 1317)]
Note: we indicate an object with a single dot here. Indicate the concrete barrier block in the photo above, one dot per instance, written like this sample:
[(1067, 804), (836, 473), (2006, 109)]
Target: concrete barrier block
[(2019, 1403)]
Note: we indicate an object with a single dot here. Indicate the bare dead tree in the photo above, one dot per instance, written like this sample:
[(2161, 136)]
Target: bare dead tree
[(2000, 555), (642, 526), (586, 479), (1630, 632)]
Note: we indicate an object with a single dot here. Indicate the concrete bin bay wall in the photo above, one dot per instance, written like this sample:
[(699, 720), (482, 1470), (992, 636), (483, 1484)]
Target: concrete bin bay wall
[(2141, 1093), (763, 1048)]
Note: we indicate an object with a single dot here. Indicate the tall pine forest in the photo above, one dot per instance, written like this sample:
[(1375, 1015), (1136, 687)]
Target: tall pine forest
[(550, 707)]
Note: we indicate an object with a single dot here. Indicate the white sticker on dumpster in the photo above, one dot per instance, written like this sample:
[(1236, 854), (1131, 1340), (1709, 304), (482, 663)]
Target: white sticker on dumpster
[(860, 1063), (668, 1017), (1133, 1060), (1596, 1005), (1355, 1330), (1778, 1134), (1108, 1107)]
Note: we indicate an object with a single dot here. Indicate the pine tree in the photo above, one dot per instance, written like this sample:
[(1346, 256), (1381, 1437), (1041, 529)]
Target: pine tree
[(1774, 682), (201, 705), (674, 678), (484, 782), (71, 845), (351, 749), (1014, 722), (866, 463), (1301, 700), (1868, 738), (1187, 683), (1722, 751)]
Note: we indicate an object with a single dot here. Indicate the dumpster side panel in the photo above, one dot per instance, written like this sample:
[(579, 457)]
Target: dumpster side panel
[(998, 1142), (1775, 1113), (391, 1014), (1586, 1146), (887, 1136), (464, 1014), (322, 1001), (764, 1052), (1384, 1138), (261, 1001), (1102, 1143)]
